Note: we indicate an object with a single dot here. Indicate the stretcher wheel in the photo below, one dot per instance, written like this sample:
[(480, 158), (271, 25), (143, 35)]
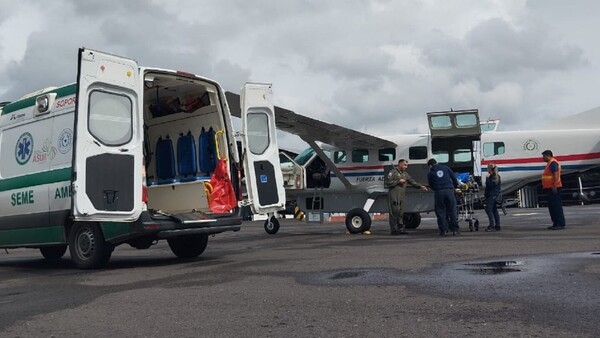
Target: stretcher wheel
[(470, 225), (477, 225)]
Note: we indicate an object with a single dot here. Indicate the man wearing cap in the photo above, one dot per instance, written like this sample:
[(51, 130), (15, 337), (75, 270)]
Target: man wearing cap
[(552, 184), (444, 183), (396, 181)]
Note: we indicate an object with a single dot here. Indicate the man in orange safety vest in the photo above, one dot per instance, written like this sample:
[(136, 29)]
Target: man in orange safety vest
[(552, 184)]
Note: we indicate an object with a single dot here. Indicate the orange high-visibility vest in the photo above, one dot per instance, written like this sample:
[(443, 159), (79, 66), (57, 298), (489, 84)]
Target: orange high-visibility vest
[(548, 176)]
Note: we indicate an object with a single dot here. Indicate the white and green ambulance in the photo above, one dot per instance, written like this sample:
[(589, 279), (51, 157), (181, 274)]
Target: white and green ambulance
[(125, 155)]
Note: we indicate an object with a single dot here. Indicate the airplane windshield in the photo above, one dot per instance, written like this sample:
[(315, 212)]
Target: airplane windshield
[(307, 154), (304, 156)]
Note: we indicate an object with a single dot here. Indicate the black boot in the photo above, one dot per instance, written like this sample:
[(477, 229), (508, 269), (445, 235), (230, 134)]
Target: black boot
[(497, 228), (490, 229)]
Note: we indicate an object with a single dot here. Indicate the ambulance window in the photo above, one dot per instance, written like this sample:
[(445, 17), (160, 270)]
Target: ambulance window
[(339, 156), (466, 120), (387, 154), (462, 155), (441, 156), (258, 132), (360, 155), (493, 148), (417, 153), (110, 117), (440, 122)]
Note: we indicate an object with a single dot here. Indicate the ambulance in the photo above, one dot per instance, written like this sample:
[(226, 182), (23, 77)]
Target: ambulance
[(132, 155)]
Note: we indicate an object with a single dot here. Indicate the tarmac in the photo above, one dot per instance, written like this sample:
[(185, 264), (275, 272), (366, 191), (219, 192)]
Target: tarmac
[(316, 280)]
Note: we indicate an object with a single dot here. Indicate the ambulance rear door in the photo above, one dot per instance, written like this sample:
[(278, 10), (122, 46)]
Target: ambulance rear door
[(107, 162), (264, 180)]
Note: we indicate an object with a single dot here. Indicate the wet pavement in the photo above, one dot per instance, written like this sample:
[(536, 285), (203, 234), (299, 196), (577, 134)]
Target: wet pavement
[(316, 280)]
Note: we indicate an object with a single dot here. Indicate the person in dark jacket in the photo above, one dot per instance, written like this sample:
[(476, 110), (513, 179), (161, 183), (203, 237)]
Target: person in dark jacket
[(493, 195), (444, 183)]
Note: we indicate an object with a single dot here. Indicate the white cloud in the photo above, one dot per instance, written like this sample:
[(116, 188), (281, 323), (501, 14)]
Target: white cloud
[(376, 66)]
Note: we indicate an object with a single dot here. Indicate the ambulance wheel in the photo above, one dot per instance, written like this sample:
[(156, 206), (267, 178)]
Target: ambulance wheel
[(272, 225), (87, 247), (412, 220), (188, 246), (358, 221), (53, 252)]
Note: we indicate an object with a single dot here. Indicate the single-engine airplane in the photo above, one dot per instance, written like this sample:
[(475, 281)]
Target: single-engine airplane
[(344, 172)]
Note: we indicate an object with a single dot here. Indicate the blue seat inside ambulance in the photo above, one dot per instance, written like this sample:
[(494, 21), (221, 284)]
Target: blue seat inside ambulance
[(207, 151), (165, 161), (187, 163)]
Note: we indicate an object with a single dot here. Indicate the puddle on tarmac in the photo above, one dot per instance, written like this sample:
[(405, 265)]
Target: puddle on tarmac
[(347, 275), (493, 268)]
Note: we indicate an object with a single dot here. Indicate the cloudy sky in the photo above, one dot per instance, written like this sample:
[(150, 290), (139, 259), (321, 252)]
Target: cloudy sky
[(372, 65)]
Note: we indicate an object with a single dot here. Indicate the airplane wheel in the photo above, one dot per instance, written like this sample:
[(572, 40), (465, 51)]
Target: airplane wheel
[(358, 221), (412, 220), (272, 225)]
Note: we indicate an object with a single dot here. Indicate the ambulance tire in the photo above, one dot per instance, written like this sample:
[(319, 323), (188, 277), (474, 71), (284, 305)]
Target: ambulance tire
[(271, 225), (87, 247), (191, 246), (53, 253), (358, 221), (412, 220)]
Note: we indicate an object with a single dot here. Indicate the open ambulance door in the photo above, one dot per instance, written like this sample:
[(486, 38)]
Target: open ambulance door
[(107, 161), (453, 138), (264, 181)]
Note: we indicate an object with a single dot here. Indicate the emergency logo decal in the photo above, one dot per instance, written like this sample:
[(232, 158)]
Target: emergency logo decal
[(530, 145), (48, 153), (440, 173), (24, 148), (65, 140)]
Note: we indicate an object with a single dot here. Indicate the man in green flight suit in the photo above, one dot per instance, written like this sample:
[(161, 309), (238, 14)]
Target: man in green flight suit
[(396, 181)]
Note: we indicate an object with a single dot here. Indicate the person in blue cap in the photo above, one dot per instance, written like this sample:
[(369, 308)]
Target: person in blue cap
[(443, 182)]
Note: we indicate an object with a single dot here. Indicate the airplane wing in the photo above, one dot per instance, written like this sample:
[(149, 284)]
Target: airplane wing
[(310, 129)]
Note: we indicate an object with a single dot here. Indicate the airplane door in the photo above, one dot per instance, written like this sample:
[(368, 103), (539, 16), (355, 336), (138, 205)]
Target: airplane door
[(452, 136), (107, 161), (264, 180)]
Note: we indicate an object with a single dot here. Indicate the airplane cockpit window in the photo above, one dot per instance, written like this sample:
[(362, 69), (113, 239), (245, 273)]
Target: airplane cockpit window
[(417, 153), (441, 122), (462, 155), (493, 148), (441, 156), (466, 120), (387, 154), (360, 155), (339, 156)]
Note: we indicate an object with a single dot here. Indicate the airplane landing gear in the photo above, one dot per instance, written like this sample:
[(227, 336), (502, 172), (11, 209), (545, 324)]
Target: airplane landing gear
[(271, 225), (412, 220), (358, 221)]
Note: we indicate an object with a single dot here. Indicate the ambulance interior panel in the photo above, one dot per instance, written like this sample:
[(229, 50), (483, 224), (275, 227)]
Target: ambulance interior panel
[(183, 141)]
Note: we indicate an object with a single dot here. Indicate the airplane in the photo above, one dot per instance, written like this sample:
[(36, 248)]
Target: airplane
[(343, 169)]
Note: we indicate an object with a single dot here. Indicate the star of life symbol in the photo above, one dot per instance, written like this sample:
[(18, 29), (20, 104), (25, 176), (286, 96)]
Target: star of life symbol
[(24, 148)]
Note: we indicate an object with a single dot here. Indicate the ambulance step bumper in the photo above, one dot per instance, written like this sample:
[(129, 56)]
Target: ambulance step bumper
[(196, 231)]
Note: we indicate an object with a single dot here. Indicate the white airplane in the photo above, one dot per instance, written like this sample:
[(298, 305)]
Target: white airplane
[(344, 172)]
